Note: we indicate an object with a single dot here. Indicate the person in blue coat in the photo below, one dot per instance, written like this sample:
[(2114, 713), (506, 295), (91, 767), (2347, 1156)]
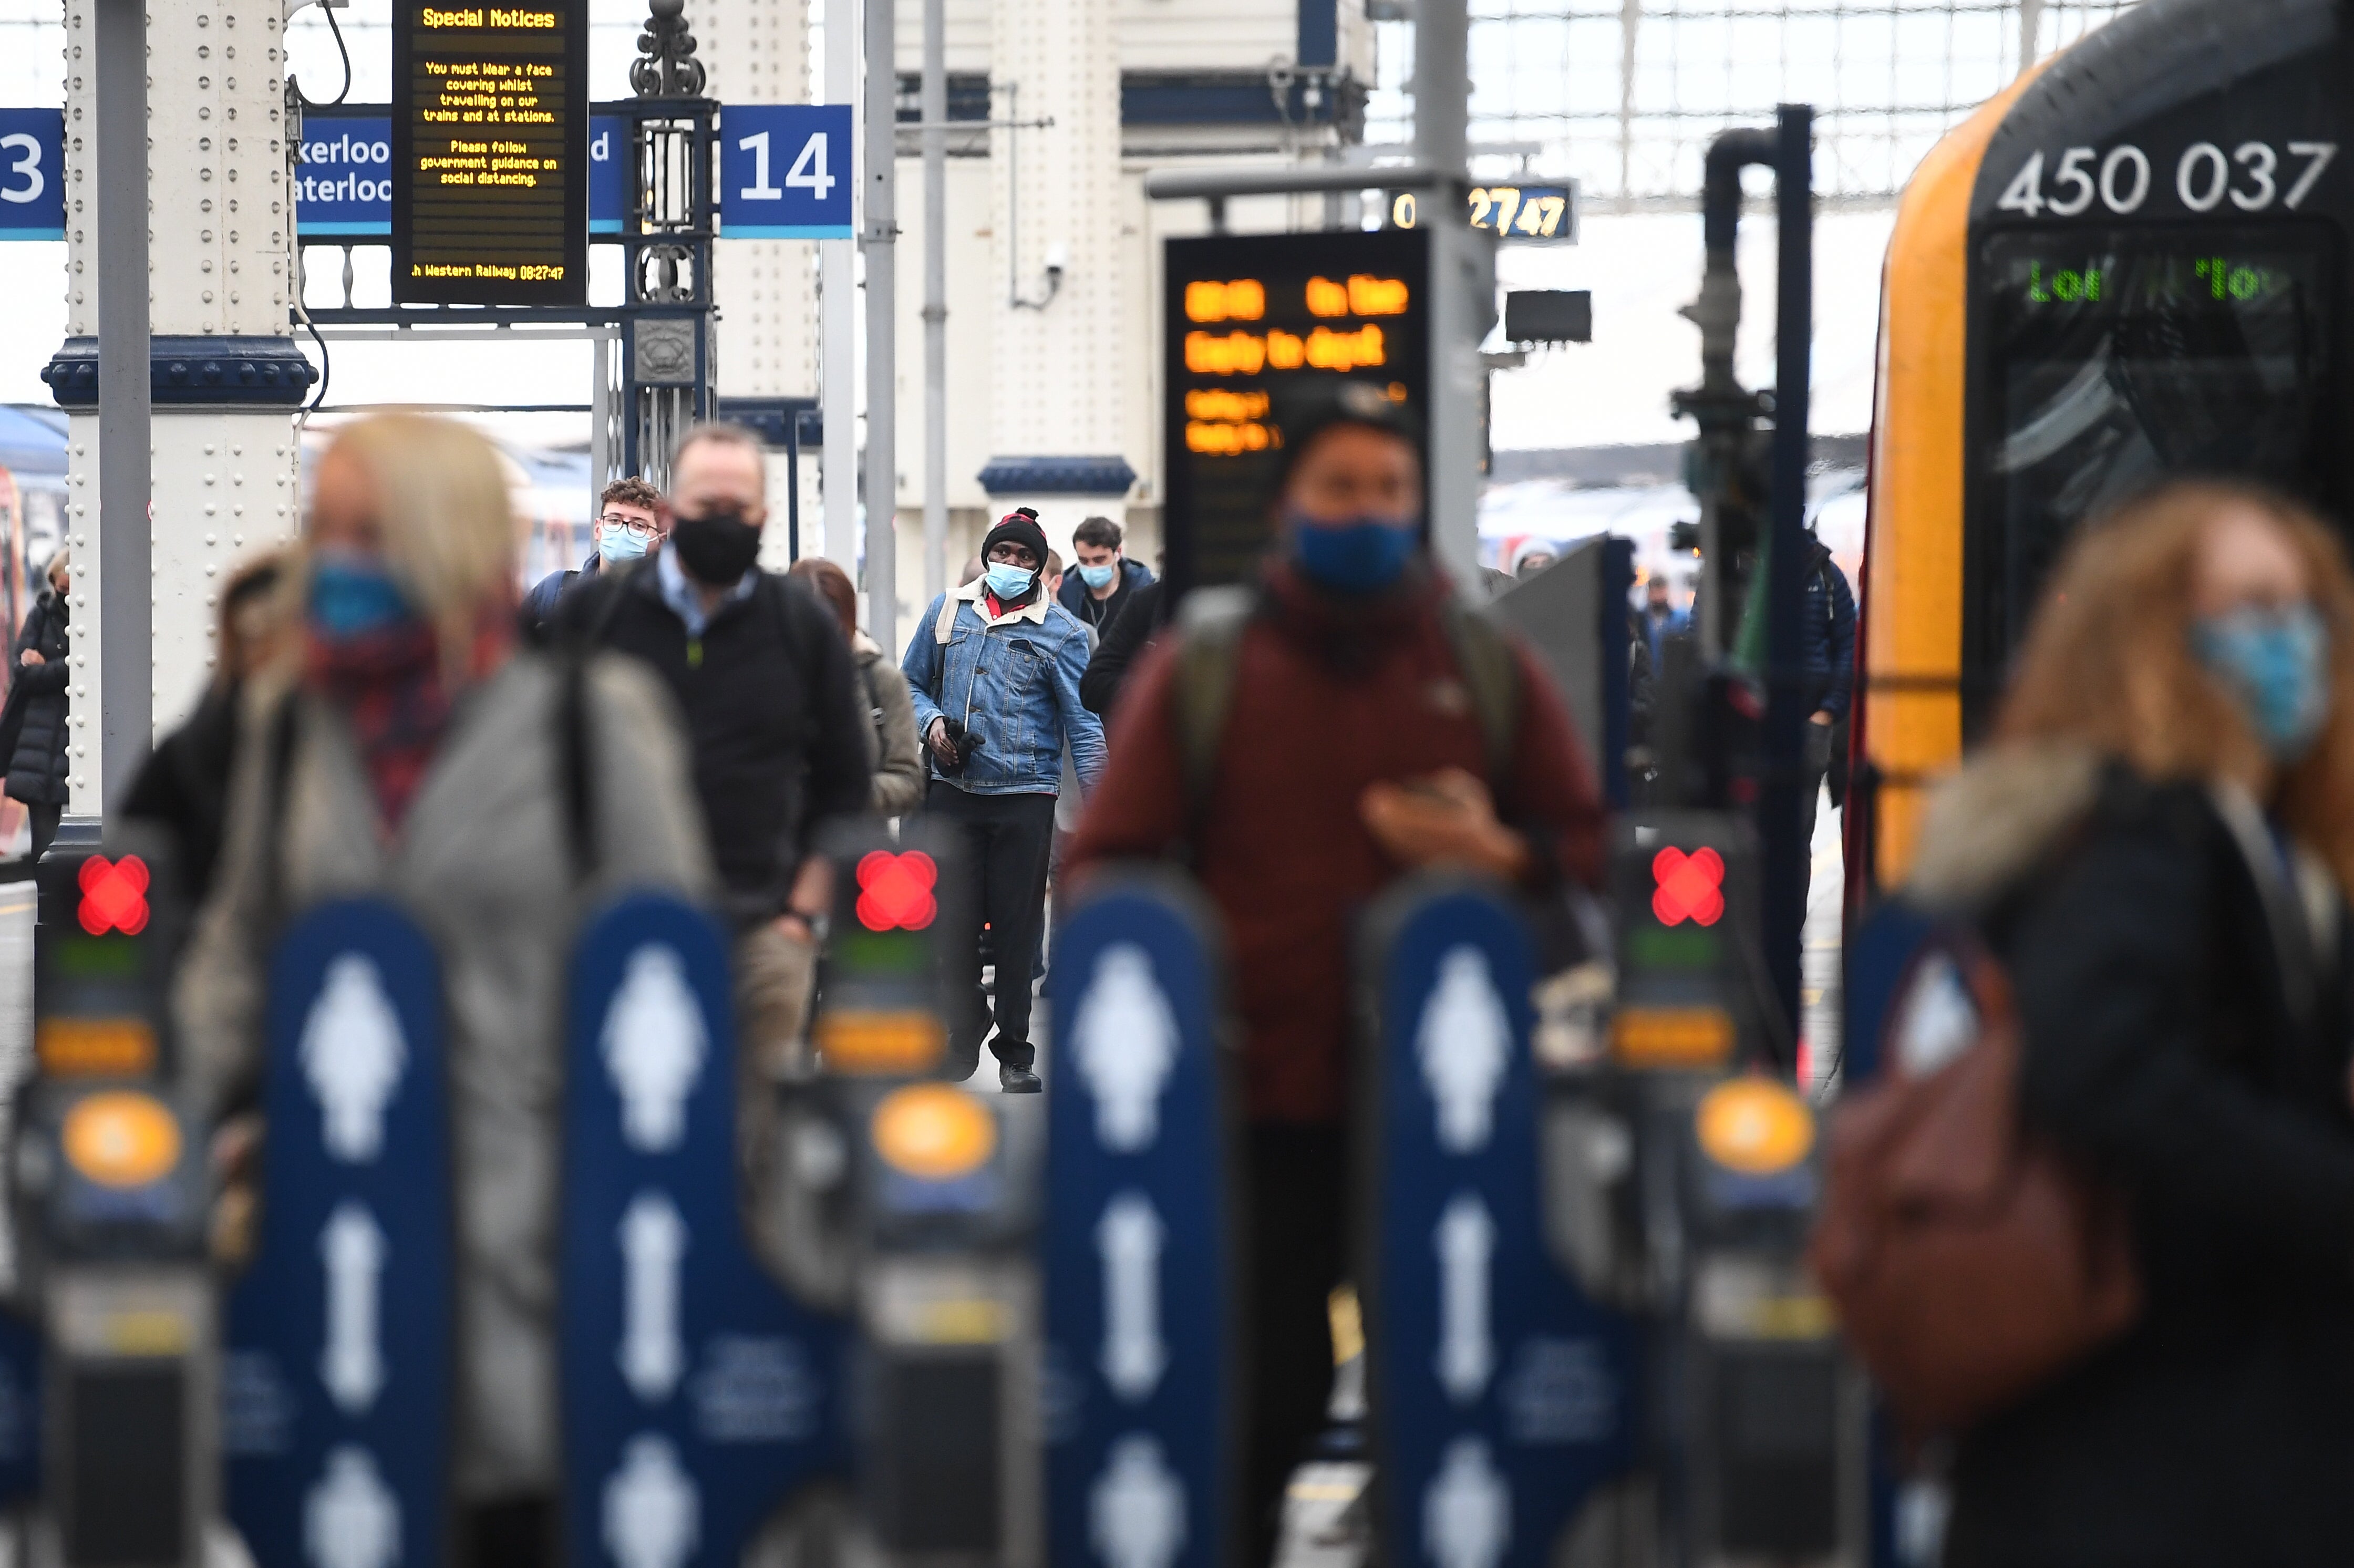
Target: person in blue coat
[(993, 669), (1105, 579)]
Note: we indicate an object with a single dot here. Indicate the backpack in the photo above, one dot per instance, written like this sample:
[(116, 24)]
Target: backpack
[(1211, 622), (1971, 1260)]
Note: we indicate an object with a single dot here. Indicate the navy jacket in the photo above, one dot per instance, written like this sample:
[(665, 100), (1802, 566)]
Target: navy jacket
[(539, 604), (1098, 612), (1826, 633)]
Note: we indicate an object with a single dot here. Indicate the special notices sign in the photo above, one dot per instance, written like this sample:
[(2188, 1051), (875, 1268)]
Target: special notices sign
[(490, 144)]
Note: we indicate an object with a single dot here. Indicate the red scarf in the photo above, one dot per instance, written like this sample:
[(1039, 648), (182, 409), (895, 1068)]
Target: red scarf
[(391, 689)]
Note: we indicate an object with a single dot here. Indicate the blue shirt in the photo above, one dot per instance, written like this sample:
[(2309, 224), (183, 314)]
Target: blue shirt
[(685, 599)]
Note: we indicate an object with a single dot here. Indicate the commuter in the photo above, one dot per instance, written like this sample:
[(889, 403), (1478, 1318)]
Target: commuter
[(1372, 725), (899, 754), (1124, 641), (402, 746), (995, 670), (1827, 655), (2159, 844), (1107, 578), (34, 730), (1661, 619), (628, 524), (1531, 556), (780, 730), (183, 787)]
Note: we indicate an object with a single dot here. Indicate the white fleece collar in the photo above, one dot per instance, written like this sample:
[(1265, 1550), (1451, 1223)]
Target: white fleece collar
[(974, 594)]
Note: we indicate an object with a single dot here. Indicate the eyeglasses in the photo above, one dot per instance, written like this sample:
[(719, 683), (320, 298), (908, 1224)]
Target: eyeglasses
[(634, 528)]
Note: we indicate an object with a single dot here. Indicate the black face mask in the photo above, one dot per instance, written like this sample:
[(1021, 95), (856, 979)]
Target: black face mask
[(719, 548)]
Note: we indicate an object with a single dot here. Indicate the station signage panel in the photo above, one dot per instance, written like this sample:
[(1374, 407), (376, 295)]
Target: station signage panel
[(785, 172), (343, 181), (490, 152), (32, 174), (1248, 316)]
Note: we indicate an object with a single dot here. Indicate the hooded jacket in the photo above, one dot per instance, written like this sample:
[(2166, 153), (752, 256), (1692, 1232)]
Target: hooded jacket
[(2182, 979), (1075, 597)]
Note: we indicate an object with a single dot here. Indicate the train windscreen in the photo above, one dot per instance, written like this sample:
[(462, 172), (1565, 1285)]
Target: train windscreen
[(2113, 357)]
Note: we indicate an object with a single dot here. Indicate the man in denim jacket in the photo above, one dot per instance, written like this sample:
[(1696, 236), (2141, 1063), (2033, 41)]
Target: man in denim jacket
[(994, 670)]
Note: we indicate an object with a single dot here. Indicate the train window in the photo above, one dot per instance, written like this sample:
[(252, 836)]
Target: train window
[(2114, 356)]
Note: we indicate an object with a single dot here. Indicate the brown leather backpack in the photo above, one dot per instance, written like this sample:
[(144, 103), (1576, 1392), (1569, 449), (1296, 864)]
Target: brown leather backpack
[(1971, 1262)]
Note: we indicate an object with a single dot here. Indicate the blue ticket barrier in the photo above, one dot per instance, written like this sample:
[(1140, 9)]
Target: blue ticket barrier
[(337, 1349), (1140, 1341), (20, 1410), (1500, 1396), (698, 1396)]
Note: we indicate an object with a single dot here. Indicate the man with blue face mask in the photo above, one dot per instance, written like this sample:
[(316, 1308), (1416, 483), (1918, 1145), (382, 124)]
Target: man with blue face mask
[(628, 525), (1368, 725), (994, 671), (1105, 579)]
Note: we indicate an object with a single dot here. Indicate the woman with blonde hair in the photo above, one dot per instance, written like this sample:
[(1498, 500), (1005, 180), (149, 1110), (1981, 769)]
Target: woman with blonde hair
[(401, 746), (2159, 844)]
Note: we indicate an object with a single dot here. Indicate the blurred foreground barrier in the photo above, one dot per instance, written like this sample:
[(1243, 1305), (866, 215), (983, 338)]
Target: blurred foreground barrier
[(1142, 1351), (698, 1394), (1501, 1395)]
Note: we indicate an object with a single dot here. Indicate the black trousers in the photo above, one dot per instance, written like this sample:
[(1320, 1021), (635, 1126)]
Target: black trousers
[(44, 819), (1007, 839), (1296, 1212)]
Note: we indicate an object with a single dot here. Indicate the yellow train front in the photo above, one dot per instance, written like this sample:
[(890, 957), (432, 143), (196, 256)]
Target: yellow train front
[(2126, 266)]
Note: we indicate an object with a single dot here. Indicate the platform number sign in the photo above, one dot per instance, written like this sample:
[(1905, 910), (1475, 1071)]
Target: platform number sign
[(785, 172), (32, 174)]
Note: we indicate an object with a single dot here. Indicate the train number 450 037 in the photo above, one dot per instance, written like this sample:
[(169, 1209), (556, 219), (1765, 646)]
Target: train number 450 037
[(2251, 177)]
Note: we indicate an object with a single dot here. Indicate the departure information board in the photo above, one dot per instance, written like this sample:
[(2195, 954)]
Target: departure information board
[(1247, 315), (490, 144)]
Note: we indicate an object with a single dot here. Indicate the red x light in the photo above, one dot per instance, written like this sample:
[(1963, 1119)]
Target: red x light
[(1687, 886), (894, 891), (113, 896)]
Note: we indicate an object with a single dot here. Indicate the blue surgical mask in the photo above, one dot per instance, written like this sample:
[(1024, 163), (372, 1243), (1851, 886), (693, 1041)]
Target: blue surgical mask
[(1009, 583), (616, 544), (354, 594), (1099, 577), (1363, 556), (2275, 663)]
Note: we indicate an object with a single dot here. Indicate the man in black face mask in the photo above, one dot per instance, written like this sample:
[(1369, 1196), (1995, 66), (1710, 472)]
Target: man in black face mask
[(765, 679)]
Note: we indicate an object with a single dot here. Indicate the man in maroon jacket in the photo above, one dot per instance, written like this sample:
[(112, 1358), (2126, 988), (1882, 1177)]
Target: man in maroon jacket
[(1353, 750)]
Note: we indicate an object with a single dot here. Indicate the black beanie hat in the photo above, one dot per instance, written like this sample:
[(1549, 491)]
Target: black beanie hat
[(1306, 409), (1019, 526)]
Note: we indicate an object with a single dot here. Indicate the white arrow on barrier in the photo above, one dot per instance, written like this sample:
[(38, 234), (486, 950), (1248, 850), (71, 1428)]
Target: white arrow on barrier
[(1125, 1042), (654, 1043), (653, 1515), (1466, 1044), (352, 1250), (1467, 1509), (1128, 1239), (350, 1517), (654, 1241), (1465, 1239), (352, 1053), (1136, 1509)]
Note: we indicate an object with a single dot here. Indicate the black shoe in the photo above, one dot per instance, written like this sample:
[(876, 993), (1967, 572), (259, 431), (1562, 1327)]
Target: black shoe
[(1016, 1080), (958, 1065)]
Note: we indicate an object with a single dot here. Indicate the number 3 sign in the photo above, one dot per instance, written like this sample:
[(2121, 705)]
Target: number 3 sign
[(785, 171), (32, 174)]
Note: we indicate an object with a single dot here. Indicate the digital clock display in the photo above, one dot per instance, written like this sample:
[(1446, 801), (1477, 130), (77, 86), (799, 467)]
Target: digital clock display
[(2111, 357), (1246, 316), (1542, 213), (490, 194)]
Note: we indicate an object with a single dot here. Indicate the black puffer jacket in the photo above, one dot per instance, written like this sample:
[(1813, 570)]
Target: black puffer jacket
[(37, 767), (2188, 1010)]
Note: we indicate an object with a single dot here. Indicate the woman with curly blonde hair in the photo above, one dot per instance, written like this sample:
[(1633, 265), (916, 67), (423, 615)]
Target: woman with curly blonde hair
[(2158, 844)]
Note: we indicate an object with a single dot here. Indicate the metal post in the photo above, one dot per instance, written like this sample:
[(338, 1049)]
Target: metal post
[(838, 285), (1787, 705), (792, 486), (881, 234), (126, 588), (1462, 288), (936, 300)]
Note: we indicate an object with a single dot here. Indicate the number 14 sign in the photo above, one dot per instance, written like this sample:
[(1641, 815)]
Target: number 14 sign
[(785, 171)]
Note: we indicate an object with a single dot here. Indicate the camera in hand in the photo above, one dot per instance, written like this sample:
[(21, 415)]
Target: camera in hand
[(963, 741)]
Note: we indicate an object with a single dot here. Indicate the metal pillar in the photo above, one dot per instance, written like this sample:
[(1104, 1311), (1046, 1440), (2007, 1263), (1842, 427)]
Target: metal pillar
[(1787, 706), (880, 231), (838, 348), (1462, 287), (936, 300), (125, 411)]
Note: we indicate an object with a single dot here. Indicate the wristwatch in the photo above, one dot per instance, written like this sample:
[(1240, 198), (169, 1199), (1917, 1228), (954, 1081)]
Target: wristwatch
[(821, 925)]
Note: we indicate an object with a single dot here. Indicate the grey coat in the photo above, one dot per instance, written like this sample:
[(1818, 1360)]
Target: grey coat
[(483, 860), (899, 751)]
